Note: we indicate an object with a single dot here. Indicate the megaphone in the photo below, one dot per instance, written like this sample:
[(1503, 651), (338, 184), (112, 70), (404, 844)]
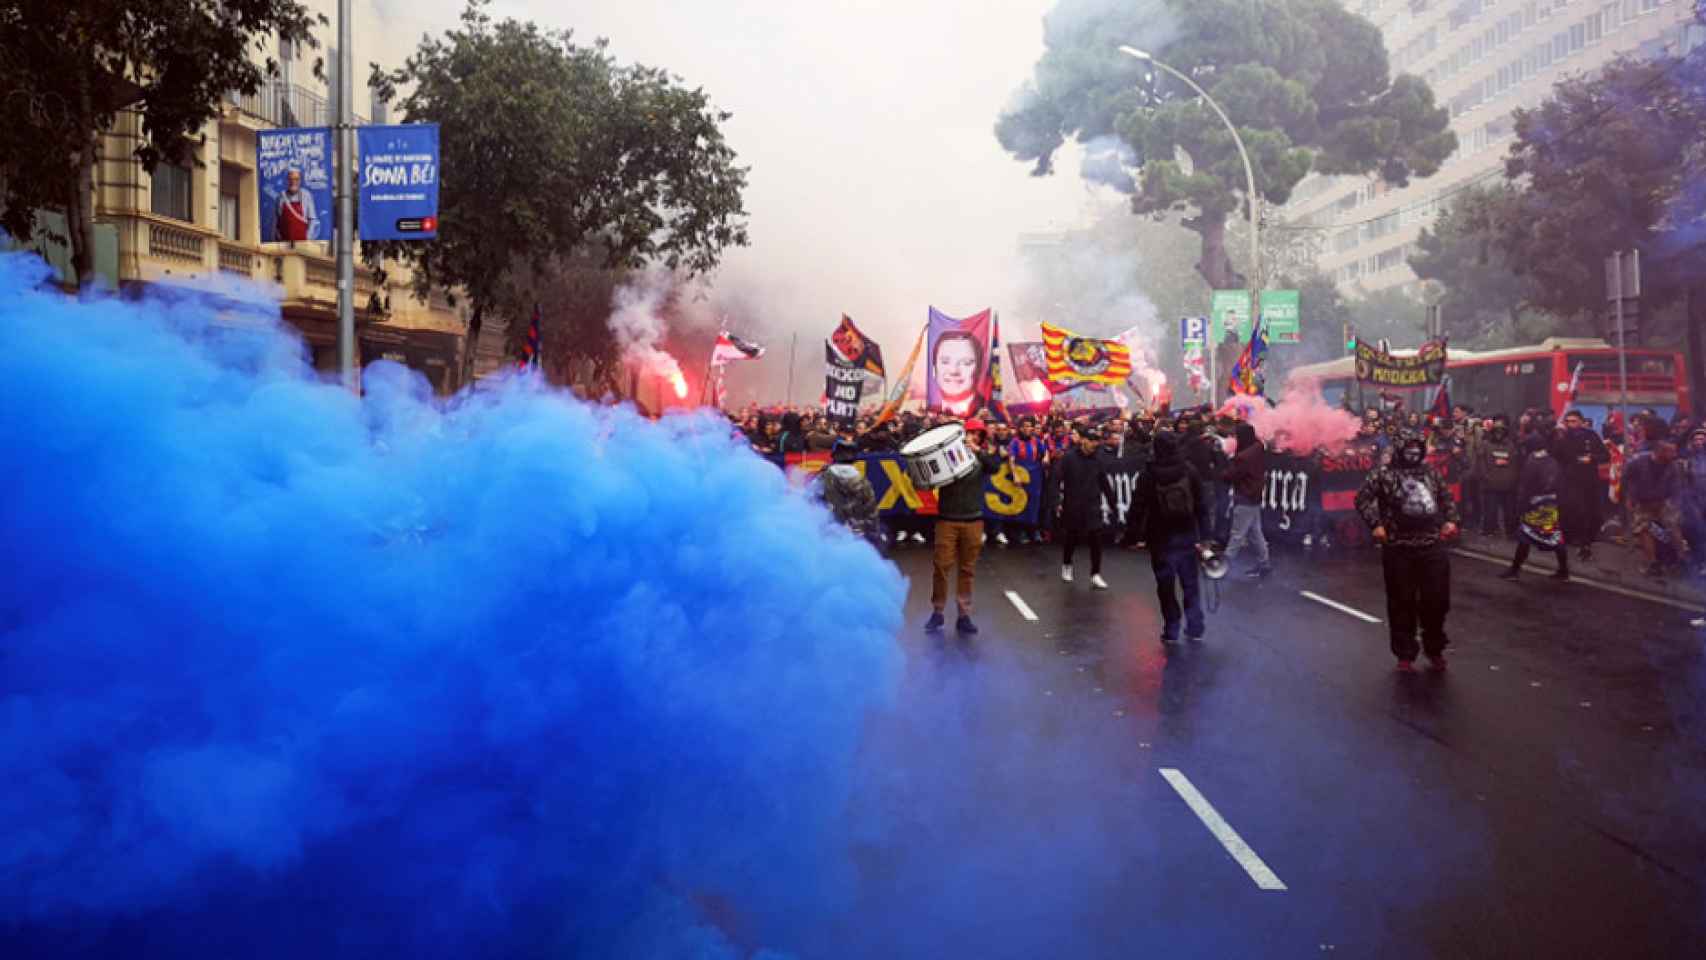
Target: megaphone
[(1214, 565)]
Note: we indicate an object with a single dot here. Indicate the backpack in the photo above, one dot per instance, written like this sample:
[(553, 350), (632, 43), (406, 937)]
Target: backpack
[(1417, 507), (1177, 503)]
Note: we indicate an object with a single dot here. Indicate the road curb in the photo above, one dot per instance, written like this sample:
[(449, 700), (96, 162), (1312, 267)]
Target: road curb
[(1671, 597)]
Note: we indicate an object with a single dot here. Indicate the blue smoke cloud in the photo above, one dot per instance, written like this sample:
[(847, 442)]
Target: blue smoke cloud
[(288, 673)]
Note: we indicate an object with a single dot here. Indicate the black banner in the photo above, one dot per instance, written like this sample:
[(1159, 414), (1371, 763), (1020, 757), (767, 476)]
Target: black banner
[(1380, 367), (843, 383)]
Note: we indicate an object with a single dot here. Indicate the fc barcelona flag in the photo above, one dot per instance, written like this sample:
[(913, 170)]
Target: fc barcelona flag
[(1075, 360), (1246, 376), (530, 347)]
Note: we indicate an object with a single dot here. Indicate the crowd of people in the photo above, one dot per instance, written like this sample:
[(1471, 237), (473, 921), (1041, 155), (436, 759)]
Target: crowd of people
[(1541, 483)]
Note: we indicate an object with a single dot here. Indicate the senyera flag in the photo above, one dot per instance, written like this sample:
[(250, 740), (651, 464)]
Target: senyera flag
[(730, 347), (1075, 360)]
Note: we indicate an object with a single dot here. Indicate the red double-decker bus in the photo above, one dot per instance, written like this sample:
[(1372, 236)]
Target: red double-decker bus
[(1559, 374)]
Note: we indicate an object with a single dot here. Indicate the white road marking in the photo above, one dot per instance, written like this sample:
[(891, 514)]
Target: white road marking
[(1217, 825), (1336, 605), (1596, 584), (1024, 609)]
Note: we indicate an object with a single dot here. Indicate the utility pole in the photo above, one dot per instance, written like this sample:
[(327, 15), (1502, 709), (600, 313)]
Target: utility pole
[(345, 149), (791, 345)]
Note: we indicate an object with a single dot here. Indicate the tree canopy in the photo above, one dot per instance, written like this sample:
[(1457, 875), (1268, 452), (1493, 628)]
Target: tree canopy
[(1306, 83), (1484, 301), (552, 149), (67, 69)]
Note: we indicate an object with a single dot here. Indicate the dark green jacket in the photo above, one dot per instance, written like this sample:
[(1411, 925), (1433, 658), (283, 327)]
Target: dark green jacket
[(962, 500)]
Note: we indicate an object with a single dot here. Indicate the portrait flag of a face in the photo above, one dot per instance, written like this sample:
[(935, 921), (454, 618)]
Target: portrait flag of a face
[(957, 377)]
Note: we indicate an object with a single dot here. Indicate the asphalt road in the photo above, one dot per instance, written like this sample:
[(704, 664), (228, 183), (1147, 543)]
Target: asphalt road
[(1544, 797)]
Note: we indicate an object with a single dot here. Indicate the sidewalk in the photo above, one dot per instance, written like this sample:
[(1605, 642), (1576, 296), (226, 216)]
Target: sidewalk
[(1615, 564)]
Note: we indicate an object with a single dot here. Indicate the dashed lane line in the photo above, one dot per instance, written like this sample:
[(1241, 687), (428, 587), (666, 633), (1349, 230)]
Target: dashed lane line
[(1336, 605), (1264, 877), (1019, 602), (1596, 584)]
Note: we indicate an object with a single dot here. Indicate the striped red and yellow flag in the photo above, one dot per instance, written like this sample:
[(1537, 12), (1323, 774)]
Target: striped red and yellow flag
[(1073, 359)]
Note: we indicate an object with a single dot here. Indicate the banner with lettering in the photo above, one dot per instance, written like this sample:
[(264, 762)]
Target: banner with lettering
[(1377, 366), (1013, 494), (843, 385), (295, 180), (399, 181)]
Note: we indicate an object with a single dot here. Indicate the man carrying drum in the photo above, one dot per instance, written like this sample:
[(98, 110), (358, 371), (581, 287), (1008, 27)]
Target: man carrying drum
[(959, 532)]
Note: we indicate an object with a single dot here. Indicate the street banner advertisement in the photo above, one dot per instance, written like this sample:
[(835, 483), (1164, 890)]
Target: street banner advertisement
[(1282, 316), (1228, 310), (399, 181), (856, 348), (1074, 360), (843, 385), (1377, 366), (958, 375), (294, 173)]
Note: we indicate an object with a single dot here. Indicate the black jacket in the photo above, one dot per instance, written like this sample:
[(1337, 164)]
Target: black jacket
[(1579, 479), (1146, 522), (1083, 484), (1249, 470)]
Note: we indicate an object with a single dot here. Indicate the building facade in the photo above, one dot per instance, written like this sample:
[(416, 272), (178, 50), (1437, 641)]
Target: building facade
[(1483, 59), (201, 218)]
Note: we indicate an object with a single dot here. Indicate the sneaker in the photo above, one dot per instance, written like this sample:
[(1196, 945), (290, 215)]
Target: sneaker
[(1264, 570), (935, 623), (1437, 660), (964, 624), (918, 538), (1066, 574), (1655, 571), (1508, 575), (1254, 573), (1308, 541), (1585, 554), (1561, 577), (1001, 538), (1406, 666), (984, 540), (1097, 581), (1193, 637)]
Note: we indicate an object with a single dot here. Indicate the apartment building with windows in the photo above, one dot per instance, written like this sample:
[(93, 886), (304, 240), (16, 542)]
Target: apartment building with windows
[(1483, 59), (160, 230)]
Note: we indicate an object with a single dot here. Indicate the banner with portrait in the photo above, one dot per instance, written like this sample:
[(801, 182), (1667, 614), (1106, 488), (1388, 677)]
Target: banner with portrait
[(857, 349), (956, 381), (295, 179)]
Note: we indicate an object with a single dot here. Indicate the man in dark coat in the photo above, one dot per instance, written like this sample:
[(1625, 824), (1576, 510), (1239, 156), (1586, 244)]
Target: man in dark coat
[(1537, 499), (1498, 464), (1579, 453), (1169, 511), (1411, 513), (1083, 484), (1246, 477)]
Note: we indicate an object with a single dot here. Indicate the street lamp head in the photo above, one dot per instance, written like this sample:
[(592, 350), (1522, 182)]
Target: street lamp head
[(1134, 52)]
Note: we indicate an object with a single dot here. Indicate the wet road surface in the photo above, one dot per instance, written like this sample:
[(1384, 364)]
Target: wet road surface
[(1292, 795)]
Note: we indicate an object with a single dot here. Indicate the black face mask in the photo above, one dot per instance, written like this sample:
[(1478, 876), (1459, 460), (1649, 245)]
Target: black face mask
[(1411, 454)]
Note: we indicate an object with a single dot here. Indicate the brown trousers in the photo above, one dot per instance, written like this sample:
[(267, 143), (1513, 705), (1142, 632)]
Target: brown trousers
[(957, 544)]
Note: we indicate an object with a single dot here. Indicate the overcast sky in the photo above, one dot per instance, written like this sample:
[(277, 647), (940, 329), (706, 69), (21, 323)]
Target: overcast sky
[(877, 187)]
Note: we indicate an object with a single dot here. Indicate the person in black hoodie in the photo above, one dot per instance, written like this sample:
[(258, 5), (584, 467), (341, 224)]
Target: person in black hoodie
[(1537, 497), (1169, 511), (1578, 454), (1411, 513), (1498, 463), (1083, 484), (1246, 477)]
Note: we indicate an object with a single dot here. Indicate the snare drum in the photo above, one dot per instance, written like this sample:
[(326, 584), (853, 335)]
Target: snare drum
[(938, 457)]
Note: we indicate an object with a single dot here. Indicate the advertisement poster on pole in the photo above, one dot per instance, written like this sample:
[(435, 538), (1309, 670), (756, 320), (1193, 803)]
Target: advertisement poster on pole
[(1282, 315), (1229, 310), (1193, 350), (399, 181), (294, 168)]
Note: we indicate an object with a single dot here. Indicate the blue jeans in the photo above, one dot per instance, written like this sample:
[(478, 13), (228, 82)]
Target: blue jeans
[(1176, 563)]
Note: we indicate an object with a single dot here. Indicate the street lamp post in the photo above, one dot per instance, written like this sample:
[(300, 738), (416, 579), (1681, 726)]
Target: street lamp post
[(1250, 192)]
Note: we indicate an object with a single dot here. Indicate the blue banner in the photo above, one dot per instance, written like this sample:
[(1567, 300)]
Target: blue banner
[(295, 180), (399, 181), (1013, 494)]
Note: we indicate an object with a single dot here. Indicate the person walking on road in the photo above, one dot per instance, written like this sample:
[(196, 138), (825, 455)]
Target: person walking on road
[(1578, 454), (1169, 511), (1083, 484), (1411, 513), (1498, 463), (1246, 477), (1540, 523), (959, 534)]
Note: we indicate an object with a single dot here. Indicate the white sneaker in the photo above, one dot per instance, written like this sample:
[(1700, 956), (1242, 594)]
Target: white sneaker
[(1097, 582), (985, 539), (1001, 538), (1066, 574), (918, 538)]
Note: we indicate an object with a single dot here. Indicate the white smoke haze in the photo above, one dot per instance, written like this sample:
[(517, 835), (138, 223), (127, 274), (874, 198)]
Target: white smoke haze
[(877, 187)]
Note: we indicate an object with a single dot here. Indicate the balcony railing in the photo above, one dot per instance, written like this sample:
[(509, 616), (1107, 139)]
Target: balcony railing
[(236, 259), (287, 105), (171, 243)]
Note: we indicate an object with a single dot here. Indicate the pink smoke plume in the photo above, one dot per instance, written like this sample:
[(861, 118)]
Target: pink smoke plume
[(1302, 422)]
